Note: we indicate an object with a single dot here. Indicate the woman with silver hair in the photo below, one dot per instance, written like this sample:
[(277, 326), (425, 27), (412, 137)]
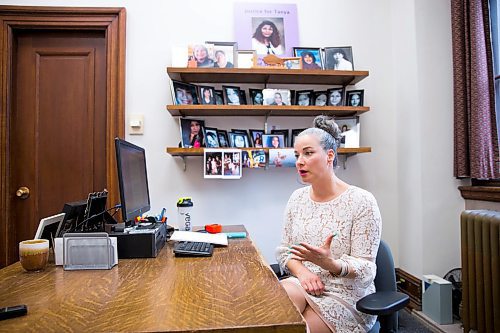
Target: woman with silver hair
[(330, 237)]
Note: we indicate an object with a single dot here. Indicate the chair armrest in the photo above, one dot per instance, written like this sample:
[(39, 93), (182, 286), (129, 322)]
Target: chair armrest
[(382, 302)]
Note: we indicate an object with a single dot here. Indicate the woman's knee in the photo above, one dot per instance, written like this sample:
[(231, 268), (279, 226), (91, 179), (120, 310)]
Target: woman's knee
[(296, 295), (314, 322)]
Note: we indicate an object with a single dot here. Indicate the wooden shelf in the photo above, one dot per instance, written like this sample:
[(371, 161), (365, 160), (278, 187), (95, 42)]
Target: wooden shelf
[(264, 110), (265, 76), (199, 151)]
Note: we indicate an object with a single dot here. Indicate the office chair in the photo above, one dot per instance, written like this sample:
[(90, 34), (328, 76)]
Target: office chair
[(386, 301)]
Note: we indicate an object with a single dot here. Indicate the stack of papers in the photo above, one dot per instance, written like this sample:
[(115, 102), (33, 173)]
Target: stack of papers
[(191, 236)]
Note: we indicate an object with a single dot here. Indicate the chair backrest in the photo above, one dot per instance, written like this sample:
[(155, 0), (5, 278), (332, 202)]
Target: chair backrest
[(385, 280)]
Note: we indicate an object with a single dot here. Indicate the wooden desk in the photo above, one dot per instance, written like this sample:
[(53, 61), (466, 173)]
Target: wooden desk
[(234, 290)]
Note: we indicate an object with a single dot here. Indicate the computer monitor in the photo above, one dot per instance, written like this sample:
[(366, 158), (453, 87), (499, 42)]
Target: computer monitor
[(133, 180)]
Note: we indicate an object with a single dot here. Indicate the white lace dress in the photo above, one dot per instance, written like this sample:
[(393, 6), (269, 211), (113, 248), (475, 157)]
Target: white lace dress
[(355, 218)]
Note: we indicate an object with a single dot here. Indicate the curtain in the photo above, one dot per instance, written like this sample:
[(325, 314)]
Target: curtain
[(475, 130)]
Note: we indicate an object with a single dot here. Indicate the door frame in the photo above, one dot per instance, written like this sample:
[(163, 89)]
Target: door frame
[(109, 20)]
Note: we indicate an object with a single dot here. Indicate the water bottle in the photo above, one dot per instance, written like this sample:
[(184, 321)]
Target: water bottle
[(185, 211)]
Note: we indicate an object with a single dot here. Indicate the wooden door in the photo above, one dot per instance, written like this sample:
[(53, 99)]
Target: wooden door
[(60, 123)]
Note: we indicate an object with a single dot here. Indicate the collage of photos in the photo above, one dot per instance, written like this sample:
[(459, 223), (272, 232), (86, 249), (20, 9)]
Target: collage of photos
[(227, 163), (227, 55), (222, 163), (195, 134), (191, 94)]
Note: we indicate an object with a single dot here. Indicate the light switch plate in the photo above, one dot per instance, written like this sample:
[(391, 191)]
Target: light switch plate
[(136, 124)]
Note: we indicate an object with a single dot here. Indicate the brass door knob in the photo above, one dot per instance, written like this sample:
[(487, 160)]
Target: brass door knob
[(23, 192)]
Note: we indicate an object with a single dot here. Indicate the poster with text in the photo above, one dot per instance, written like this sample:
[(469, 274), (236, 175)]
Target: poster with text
[(266, 28)]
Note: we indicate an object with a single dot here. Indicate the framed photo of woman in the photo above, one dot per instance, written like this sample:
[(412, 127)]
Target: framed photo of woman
[(225, 54), (256, 96), (276, 96), (207, 95), (273, 141), (232, 95), (310, 57), (256, 137), (192, 133), (303, 97), (283, 132), (238, 140), (339, 58), (185, 93), (211, 137), (320, 98), (335, 96), (355, 97), (223, 138)]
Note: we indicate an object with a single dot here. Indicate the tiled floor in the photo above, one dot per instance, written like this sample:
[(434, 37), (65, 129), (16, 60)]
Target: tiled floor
[(456, 327)]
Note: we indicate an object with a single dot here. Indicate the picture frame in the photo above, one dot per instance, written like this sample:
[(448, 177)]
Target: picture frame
[(256, 138), (320, 98), (225, 54), (339, 58), (250, 19), (223, 138), (276, 96), (303, 97), (355, 97), (248, 142), (212, 161), (211, 137), (350, 129), (295, 132), (238, 140), (273, 141), (219, 97), (282, 158), (310, 57), (232, 95), (232, 164), (254, 158), (206, 95), (292, 63), (283, 132), (256, 96), (201, 55), (192, 132), (335, 96), (246, 58), (184, 93), (243, 97)]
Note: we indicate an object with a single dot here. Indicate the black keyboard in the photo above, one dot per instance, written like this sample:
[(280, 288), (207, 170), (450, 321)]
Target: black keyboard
[(193, 249)]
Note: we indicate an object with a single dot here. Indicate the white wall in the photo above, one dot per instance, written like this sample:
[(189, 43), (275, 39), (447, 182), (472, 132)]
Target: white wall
[(405, 44)]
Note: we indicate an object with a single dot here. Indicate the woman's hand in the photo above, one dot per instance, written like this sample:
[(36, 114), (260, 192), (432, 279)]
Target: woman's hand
[(320, 256), (311, 283)]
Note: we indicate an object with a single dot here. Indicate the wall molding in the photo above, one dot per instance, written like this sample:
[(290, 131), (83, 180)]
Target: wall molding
[(412, 286), (482, 193)]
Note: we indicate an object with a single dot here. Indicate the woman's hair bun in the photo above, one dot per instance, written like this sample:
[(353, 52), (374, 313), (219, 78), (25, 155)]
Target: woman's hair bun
[(328, 125)]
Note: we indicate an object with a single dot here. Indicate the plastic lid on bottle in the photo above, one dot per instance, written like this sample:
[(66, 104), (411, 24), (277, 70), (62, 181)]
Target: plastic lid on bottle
[(184, 202)]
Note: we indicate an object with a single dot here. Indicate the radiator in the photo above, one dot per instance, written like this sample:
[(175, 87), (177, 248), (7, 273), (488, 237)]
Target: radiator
[(480, 238)]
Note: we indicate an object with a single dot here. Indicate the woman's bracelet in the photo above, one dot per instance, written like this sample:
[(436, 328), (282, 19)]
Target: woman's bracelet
[(344, 269)]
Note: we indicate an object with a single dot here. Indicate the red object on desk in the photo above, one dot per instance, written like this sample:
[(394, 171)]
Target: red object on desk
[(213, 228)]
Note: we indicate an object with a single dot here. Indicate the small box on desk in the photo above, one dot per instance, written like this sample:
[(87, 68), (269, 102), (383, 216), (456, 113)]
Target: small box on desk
[(436, 299), (141, 243)]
